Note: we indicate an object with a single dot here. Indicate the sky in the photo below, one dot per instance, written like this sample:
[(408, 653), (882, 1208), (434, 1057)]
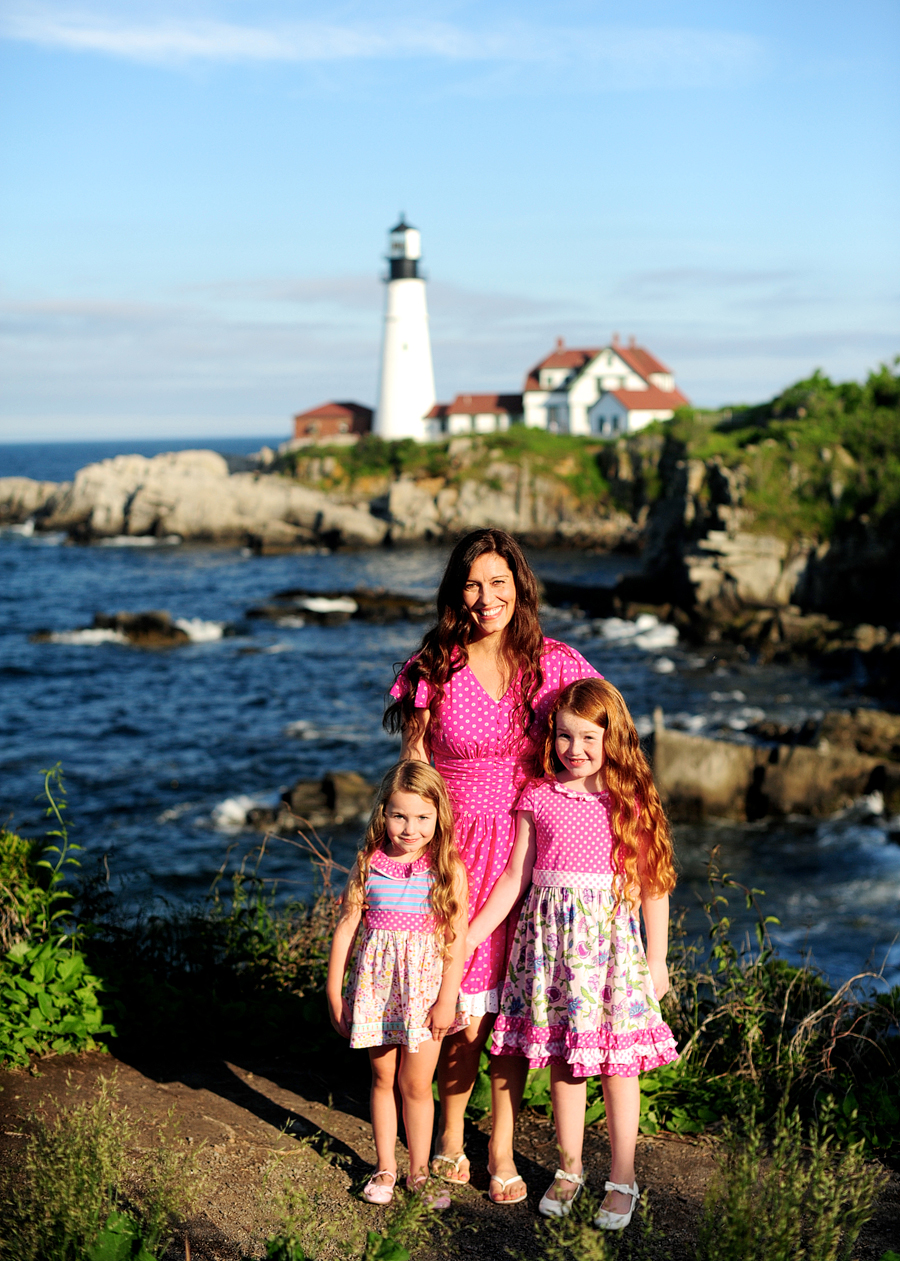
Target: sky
[(195, 197)]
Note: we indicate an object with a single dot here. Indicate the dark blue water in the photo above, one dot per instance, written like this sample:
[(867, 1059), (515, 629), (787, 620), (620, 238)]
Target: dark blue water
[(60, 461), (152, 743)]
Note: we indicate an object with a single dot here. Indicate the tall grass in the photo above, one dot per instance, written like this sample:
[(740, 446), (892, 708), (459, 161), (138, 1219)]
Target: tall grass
[(79, 1186)]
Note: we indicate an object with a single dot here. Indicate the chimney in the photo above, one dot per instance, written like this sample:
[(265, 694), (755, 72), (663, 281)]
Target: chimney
[(615, 339), (632, 342), (560, 343)]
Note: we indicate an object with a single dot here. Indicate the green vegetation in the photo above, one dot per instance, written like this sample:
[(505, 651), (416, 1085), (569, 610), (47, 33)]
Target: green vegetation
[(77, 1193), (570, 462), (817, 458), (49, 996)]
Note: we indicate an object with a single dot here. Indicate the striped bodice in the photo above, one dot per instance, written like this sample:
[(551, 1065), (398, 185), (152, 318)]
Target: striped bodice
[(398, 895)]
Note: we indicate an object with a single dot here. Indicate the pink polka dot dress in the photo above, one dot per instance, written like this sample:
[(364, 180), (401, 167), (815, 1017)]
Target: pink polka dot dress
[(578, 989), (486, 760)]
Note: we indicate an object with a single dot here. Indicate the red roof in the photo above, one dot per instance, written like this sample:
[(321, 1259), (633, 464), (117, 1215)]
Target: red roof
[(336, 411), (560, 359), (640, 360), (652, 399), (480, 404)]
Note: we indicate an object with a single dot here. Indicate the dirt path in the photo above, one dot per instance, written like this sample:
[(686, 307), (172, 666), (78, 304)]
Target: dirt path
[(253, 1126)]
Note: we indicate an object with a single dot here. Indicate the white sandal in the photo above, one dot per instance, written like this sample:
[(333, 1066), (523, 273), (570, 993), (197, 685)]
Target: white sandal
[(455, 1161), (561, 1208), (605, 1220)]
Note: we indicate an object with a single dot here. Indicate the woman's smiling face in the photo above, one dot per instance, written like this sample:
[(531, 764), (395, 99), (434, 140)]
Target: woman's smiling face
[(489, 595)]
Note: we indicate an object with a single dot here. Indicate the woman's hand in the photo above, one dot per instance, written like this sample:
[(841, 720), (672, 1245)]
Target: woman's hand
[(440, 1018), (659, 975), (339, 1012)]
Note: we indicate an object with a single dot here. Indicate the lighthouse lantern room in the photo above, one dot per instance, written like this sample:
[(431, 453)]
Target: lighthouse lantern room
[(406, 392)]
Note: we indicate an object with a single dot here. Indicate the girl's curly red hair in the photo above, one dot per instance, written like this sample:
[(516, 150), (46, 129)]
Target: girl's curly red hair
[(643, 853)]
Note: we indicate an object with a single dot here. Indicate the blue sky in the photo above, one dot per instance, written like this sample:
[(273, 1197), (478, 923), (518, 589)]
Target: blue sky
[(195, 195)]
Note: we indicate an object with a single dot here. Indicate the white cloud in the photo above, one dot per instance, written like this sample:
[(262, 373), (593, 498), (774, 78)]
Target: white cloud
[(614, 56)]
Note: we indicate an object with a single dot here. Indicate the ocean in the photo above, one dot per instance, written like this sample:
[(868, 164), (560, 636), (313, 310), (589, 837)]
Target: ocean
[(163, 751)]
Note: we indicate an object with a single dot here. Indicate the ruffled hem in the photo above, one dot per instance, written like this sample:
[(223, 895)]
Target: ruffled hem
[(483, 1004), (588, 1053)]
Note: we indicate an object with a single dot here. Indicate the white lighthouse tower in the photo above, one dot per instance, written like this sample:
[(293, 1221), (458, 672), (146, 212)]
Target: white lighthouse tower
[(406, 391)]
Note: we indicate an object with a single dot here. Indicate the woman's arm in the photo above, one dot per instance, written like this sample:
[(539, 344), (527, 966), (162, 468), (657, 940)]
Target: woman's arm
[(511, 885), (443, 1010), (415, 746), (656, 925), (339, 958)]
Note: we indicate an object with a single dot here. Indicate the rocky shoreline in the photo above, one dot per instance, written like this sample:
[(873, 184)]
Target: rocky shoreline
[(706, 565)]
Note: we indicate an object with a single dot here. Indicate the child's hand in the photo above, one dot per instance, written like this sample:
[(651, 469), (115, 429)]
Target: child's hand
[(340, 1016), (659, 975), (440, 1018)]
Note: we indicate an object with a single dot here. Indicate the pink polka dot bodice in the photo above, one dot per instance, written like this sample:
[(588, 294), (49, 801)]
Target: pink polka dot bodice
[(486, 760), (573, 832)]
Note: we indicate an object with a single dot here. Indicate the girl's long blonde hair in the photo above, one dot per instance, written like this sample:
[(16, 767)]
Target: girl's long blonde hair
[(425, 782), (642, 852)]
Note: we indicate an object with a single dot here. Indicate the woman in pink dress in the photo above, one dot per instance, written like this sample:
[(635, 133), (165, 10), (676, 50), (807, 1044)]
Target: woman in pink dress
[(475, 700)]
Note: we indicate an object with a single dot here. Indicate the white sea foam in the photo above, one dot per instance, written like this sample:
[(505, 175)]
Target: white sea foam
[(663, 665), (727, 696), (139, 540), (646, 631), (25, 530), (327, 604), (175, 812), (291, 622), (230, 815), (90, 636), (745, 717), (200, 632)]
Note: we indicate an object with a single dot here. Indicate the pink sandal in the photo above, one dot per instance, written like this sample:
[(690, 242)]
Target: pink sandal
[(417, 1186), (377, 1192)]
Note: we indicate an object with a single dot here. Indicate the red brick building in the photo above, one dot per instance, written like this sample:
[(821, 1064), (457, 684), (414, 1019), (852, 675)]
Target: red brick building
[(333, 419)]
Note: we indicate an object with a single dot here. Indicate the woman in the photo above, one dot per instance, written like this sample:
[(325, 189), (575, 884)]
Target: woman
[(475, 699)]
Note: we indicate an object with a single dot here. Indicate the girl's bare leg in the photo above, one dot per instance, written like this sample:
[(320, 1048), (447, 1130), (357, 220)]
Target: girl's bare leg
[(416, 1075), (457, 1070), (569, 1098), (622, 1096), (508, 1073), (385, 1061)]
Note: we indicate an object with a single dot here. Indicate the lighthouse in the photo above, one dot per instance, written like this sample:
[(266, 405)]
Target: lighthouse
[(406, 390)]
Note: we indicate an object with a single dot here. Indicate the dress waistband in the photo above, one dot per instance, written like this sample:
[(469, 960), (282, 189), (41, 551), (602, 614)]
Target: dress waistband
[(543, 878), (503, 777)]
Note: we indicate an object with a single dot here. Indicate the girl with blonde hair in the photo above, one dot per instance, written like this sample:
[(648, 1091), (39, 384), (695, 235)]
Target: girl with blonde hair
[(407, 889)]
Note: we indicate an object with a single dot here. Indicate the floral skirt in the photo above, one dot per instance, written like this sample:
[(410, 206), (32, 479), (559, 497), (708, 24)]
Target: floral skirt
[(394, 980), (578, 988)]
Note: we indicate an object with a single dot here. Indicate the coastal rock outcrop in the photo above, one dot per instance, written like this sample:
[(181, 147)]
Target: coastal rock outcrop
[(698, 777), (332, 608), (339, 797), (192, 494), (152, 629), (23, 497)]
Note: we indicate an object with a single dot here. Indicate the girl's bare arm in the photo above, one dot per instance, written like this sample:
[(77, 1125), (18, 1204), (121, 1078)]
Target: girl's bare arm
[(440, 1017), (656, 925), (339, 958), (511, 885), (416, 746)]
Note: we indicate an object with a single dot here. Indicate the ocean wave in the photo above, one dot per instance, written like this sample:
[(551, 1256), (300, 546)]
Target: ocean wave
[(230, 815), (200, 632), (291, 622), (328, 604), (139, 540), (90, 636), (646, 631)]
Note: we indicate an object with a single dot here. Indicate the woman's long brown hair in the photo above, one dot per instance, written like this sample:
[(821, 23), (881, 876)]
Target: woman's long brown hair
[(643, 850), (445, 648), (425, 782)]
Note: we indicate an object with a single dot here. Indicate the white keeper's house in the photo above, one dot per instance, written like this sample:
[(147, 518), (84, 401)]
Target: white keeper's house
[(604, 390)]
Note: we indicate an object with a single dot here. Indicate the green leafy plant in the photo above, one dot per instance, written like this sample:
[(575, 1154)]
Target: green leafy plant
[(49, 997)]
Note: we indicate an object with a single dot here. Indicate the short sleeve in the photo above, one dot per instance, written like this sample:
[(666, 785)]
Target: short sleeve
[(572, 666), (424, 690), (528, 797)]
